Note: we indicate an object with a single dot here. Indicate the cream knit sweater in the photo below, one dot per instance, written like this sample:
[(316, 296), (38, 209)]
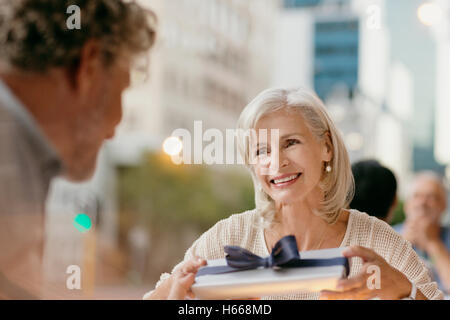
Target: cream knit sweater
[(244, 230)]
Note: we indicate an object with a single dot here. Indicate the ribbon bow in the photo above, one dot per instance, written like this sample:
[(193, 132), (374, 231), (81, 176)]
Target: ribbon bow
[(284, 255)]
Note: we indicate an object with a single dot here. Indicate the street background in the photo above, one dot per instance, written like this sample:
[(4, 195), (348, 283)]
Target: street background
[(381, 67)]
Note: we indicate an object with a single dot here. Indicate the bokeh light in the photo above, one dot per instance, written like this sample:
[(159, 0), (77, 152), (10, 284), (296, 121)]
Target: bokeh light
[(429, 13), (355, 141), (172, 146)]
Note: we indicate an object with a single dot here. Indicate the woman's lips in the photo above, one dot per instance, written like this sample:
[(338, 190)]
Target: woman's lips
[(285, 180)]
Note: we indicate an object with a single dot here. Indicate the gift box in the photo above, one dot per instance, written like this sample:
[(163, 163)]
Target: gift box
[(244, 275)]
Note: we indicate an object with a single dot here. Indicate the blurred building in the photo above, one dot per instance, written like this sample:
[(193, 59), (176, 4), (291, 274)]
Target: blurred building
[(440, 28), (379, 69), (441, 33), (211, 58)]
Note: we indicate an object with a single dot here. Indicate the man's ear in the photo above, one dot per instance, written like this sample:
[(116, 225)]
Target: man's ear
[(328, 148), (88, 69)]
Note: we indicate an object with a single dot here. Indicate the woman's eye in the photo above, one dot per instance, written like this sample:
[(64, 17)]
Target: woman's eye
[(291, 142)]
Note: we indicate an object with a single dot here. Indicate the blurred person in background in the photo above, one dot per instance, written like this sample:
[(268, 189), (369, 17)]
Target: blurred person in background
[(375, 189), (60, 98), (424, 207)]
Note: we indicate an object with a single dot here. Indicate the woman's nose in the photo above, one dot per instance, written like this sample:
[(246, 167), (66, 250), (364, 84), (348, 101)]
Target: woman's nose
[(282, 159), (278, 161), (284, 162)]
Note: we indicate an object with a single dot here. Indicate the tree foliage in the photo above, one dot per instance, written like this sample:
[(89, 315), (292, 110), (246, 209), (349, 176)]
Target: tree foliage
[(164, 195)]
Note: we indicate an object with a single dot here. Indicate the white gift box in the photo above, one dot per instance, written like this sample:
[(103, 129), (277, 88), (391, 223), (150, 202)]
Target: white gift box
[(268, 281)]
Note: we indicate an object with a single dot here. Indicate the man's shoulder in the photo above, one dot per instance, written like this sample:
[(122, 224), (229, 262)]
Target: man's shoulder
[(10, 136), (23, 144), (10, 130), (6, 118), (22, 188)]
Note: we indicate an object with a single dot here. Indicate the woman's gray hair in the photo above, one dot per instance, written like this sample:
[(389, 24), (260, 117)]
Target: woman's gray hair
[(34, 35), (337, 185)]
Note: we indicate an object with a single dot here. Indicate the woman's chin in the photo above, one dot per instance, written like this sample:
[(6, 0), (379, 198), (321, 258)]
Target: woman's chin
[(286, 197)]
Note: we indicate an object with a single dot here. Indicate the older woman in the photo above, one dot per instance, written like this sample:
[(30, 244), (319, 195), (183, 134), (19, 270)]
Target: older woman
[(303, 185)]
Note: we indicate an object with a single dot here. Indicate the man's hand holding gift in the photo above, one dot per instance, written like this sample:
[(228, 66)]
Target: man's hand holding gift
[(178, 285)]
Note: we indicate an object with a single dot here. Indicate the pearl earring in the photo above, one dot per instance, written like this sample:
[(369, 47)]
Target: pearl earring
[(328, 169)]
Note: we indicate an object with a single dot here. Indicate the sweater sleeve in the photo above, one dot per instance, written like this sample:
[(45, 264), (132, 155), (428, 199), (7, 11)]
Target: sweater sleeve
[(399, 253), (208, 246)]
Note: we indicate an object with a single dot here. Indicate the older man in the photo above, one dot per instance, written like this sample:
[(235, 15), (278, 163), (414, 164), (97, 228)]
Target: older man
[(424, 207), (60, 98)]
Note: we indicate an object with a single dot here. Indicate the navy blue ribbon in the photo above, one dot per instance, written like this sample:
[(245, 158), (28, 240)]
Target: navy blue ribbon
[(284, 255)]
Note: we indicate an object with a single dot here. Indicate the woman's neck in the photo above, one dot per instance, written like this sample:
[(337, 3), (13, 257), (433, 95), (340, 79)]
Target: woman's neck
[(299, 220), (311, 231)]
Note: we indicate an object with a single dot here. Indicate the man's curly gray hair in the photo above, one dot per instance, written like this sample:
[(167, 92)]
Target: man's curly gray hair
[(34, 35)]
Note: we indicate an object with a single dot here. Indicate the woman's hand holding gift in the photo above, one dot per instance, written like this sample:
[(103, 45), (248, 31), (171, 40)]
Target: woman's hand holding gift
[(376, 279)]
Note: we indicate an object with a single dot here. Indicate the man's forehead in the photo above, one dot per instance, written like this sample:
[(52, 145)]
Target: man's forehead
[(424, 184)]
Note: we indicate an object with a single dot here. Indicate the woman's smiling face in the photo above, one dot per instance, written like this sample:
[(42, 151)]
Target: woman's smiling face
[(290, 171)]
